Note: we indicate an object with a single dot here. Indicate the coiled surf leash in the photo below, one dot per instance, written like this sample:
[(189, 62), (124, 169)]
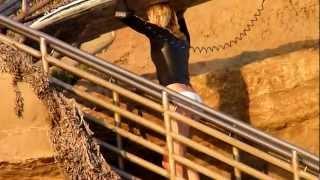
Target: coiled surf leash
[(236, 39)]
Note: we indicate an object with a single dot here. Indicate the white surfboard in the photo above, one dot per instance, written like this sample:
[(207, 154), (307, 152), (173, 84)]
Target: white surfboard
[(70, 10)]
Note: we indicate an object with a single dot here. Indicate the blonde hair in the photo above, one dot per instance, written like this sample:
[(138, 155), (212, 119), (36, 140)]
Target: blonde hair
[(163, 15)]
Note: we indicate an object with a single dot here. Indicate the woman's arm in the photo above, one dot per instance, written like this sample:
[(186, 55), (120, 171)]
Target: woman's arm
[(152, 31), (183, 25)]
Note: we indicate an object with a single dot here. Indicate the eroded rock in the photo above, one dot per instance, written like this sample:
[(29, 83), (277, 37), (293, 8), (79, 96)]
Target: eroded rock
[(279, 95)]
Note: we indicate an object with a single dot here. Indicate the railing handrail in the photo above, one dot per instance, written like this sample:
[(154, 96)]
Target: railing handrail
[(210, 115)]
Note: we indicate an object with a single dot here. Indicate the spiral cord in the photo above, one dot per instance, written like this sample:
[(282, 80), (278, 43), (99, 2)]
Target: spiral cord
[(236, 39)]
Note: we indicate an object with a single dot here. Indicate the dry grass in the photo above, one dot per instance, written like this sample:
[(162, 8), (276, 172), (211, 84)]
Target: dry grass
[(76, 150)]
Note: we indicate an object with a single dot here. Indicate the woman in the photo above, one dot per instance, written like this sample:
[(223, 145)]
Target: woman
[(169, 39)]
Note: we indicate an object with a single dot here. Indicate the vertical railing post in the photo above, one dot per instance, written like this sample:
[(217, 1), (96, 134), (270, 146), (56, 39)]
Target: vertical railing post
[(44, 53), (169, 140), (117, 118), (295, 165), (236, 156), (25, 6)]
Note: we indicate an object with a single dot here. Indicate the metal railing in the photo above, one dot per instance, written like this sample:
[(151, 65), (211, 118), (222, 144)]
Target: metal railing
[(276, 152)]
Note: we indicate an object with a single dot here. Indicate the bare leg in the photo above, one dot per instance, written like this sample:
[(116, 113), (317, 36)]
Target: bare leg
[(184, 130)]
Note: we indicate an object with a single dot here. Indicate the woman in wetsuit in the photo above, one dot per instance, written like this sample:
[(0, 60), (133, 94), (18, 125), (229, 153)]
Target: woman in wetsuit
[(169, 39)]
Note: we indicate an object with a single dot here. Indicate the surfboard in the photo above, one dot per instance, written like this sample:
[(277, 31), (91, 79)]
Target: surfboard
[(91, 18)]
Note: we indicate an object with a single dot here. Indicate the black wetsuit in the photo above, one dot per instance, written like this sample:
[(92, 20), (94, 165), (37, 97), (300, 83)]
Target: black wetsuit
[(169, 53)]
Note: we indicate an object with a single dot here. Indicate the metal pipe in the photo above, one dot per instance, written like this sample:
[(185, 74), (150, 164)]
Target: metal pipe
[(13, 43), (220, 157), (117, 118), (130, 136), (243, 130), (151, 106), (236, 157), (104, 67), (160, 150), (102, 82), (83, 57), (124, 174), (119, 131), (157, 128), (83, 74), (133, 158), (235, 142), (203, 170), (281, 147), (238, 131), (24, 6), (169, 141), (68, 87), (295, 165), (114, 127), (44, 54)]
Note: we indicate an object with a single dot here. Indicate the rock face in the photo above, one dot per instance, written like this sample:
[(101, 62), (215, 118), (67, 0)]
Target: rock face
[(25, 151), (285, 85), (284, 97), (279, 95)]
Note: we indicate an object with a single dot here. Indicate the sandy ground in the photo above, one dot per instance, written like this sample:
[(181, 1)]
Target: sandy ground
[(25, 150), (27, 137)]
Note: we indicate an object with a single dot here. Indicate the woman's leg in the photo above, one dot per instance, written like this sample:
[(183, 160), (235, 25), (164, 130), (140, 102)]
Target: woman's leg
[(183, 129)]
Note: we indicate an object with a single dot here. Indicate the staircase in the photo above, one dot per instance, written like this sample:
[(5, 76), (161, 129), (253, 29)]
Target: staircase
[(215, 150)]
